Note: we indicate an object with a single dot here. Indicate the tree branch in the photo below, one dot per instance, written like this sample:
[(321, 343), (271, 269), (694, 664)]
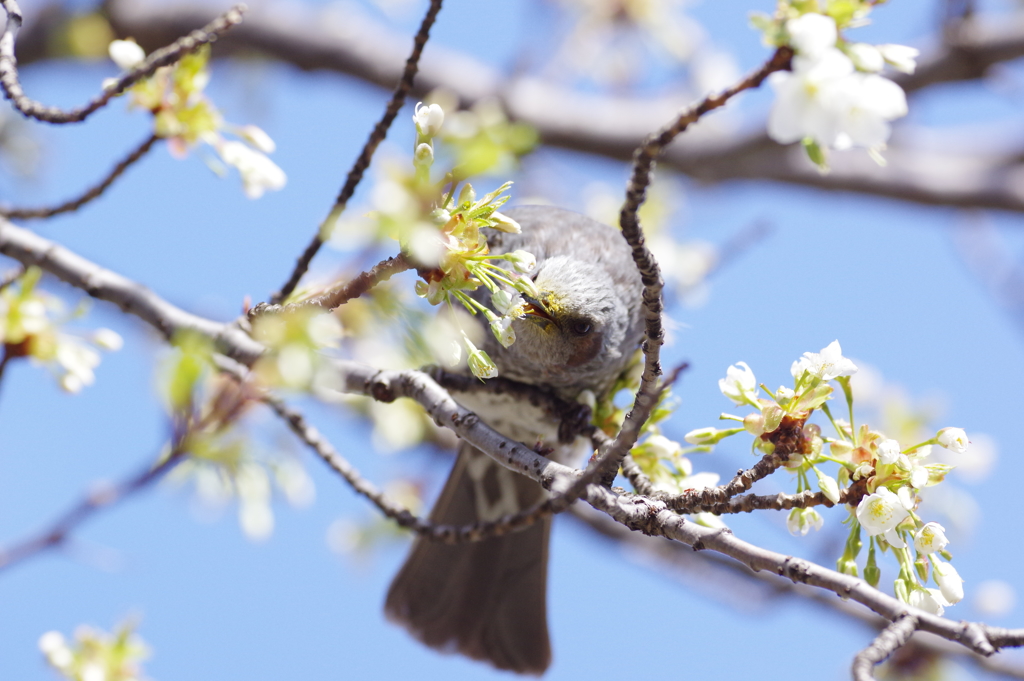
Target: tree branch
[(885, 644), (90, 194), (377, 136), (402, 516), (11, 85), (644, 159), (59, 531), (340, 294), (613, 126), (30, 249)]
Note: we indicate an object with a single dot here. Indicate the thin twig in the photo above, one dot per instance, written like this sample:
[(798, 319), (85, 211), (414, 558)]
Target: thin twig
[(885, 644), (162, 57), (92, 193), (59, 531), (355, 175), (342, 293), (4, 359), (644, 159), (403, 517)]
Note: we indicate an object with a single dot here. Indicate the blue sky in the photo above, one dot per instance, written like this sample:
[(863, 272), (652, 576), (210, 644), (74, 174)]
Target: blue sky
[(883, 277)]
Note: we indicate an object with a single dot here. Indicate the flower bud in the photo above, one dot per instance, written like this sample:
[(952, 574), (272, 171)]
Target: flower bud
[(753, 423), (772, 417), (664, 448), (847, 566), (424, 156), (702, 436), (865, 57), (901, 57), (257, 138), (467, 194), (950, 584), (953, 439), (126, 54), (523, 261), (929, 600), (107, 339), (828, 487), (504, 223), (872, 575), (841, 449)]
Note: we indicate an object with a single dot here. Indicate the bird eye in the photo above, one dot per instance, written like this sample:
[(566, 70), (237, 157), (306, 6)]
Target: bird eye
[(581, 327)]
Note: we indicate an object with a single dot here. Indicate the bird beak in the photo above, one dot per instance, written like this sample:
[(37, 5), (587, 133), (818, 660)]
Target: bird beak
[(537, 313)]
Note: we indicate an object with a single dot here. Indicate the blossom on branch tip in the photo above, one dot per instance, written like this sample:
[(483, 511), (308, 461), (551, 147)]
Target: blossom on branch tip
[(827, 364), (428, 118), (826, 101), (126, 54), (739, 384)]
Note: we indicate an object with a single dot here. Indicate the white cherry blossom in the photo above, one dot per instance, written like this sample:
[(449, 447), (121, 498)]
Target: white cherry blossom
[(888, 451), (428, 118), (258, 172), (930, 538), (827, 364), (880, 513), (804, 98), (811, 34), (739, 384)]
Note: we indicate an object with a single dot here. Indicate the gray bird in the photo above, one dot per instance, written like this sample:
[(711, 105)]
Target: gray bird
[(488, 599)]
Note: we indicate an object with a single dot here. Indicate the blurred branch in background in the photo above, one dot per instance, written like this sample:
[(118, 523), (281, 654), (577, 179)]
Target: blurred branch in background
[(919, 170)]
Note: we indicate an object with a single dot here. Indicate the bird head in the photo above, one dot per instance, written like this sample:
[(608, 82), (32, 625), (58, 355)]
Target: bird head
[(578, 333)]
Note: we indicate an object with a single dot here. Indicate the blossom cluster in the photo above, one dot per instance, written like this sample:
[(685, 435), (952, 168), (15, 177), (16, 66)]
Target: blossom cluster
[(222, 463), (834, 97), (878, 479), (439, 223), (32, 325), (96, 655), (184, 116)]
